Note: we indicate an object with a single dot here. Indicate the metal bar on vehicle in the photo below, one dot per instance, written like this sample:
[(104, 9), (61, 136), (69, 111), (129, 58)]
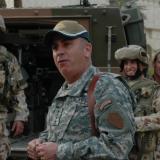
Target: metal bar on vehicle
[(109, 48)]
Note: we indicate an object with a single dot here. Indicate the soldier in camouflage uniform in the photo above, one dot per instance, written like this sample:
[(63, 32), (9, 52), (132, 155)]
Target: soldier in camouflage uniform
[(68, 132), (156, 66), (133, 64), (11, 96)]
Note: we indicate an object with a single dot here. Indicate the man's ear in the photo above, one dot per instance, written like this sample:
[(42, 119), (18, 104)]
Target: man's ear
[(88, 50)]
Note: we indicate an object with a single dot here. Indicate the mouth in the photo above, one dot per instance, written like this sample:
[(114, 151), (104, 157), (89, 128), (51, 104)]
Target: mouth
[(130, 72), (62, 61)]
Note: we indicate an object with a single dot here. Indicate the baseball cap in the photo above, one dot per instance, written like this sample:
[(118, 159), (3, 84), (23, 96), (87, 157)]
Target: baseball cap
[(67, 29)]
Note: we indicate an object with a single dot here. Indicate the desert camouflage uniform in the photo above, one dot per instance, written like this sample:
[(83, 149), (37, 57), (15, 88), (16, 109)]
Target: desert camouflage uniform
[(11, 96), (68, 121), (147, 117)]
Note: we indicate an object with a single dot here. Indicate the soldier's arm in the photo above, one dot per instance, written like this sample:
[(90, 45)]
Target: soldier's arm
[(17, 86), (21, 109), (114, 120), (150, 122)]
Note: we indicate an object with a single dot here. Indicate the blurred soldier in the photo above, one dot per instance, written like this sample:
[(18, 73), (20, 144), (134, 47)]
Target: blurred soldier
[(156, 66), (12, 96), (68, 133), (132, 60), (3, 4)]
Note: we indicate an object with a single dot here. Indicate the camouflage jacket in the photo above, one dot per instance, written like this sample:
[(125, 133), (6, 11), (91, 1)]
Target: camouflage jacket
[(68, 121), (147, 113), (147, 118), (11, 87)]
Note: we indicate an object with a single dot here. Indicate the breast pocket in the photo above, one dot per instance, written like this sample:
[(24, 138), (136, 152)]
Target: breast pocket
[(56, 116)]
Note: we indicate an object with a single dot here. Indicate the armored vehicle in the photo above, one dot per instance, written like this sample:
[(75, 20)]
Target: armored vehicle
[(109, 29)]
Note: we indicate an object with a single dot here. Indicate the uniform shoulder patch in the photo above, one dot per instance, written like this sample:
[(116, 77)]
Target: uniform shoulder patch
[(115, 119), (104, 103)]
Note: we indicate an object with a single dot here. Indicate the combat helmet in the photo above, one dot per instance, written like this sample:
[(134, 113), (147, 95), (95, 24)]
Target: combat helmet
[(2, 24), (132, 52)]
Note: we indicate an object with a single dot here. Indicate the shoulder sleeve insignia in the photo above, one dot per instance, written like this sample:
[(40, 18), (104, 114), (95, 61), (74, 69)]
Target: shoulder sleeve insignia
[(103, 104), (115, 119)]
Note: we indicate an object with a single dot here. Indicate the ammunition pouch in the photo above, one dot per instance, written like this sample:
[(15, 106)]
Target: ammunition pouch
[(146, 141)]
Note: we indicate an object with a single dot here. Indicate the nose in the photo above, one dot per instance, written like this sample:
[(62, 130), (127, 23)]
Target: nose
[(59, 51), (129, 64)]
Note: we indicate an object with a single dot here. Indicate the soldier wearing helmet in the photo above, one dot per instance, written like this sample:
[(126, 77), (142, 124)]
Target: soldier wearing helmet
[(134, 64), (12, 96), (132, 54)]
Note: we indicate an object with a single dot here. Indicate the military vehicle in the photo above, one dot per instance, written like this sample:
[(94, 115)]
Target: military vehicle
[(109, 29)]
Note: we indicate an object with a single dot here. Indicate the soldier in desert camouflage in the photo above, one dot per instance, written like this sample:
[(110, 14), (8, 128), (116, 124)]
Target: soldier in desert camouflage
[(11, 96), (133, 64)]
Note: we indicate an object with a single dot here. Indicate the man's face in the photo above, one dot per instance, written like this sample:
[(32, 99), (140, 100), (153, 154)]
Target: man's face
[(71, 57), (130, 68), (157, 66)]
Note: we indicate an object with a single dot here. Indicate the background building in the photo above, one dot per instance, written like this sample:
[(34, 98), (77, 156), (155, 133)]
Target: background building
[(151, 10)]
